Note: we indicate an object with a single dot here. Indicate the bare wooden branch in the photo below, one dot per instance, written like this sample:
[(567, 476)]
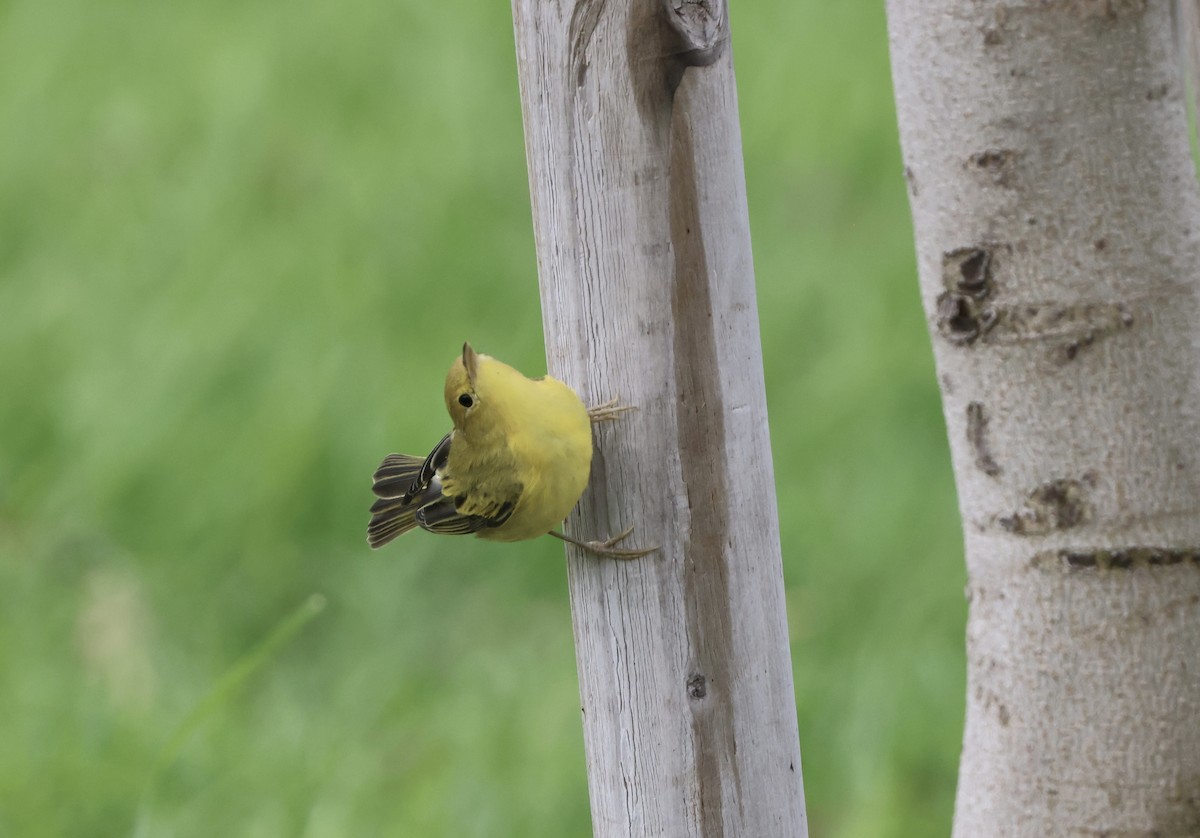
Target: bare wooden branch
[(648, 292)]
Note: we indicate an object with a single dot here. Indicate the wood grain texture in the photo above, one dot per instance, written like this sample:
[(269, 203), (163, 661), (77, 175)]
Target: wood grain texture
[(647, 291), (1057, 221)]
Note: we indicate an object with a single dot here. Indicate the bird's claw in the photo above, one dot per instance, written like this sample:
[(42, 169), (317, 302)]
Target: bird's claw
[(610, 411)]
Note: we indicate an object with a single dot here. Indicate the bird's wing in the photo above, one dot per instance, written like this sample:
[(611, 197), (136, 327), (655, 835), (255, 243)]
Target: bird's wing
[(411, 494), (462, 513), (405, 485), (465, 507)]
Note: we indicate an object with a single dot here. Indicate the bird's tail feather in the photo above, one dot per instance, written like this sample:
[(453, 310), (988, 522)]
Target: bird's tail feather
[(391, 516), (396, 475)]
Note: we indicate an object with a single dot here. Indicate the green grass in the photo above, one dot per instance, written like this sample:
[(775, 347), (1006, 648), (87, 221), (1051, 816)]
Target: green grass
[(239, 243)]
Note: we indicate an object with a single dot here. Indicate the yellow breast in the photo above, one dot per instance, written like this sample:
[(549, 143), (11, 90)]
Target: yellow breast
[(550, 442)]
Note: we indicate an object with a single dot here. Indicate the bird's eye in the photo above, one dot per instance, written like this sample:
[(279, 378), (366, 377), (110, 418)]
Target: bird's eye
[(465, 400)]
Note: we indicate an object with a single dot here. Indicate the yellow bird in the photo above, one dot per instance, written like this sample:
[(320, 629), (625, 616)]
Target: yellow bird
[(513, 467)]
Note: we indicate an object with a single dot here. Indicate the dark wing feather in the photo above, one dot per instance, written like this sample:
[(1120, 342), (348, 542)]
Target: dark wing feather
[(434, 463), (410, 495), (442, 517)]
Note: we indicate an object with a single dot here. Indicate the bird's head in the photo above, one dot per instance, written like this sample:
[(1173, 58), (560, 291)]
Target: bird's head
[(482, 393), (463, 400)]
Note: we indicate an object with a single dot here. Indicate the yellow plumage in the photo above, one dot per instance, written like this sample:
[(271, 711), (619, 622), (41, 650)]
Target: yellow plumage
[(513, 467)]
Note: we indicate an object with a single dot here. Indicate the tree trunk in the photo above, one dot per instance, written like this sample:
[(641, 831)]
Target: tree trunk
[(1058, 238), (648, 292)]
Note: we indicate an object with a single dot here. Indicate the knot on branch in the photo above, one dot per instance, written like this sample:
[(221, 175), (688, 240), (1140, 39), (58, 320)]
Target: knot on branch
[(699, 29)]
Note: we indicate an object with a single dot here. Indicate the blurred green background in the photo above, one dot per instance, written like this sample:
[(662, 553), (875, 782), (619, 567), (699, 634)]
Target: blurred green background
[(239, 245)]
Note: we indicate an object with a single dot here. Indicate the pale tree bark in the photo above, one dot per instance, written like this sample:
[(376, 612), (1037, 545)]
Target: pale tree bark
[(648, 292), (1058, 239)]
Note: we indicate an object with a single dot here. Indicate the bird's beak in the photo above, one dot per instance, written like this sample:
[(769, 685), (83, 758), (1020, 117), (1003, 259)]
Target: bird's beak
[(470, 362)]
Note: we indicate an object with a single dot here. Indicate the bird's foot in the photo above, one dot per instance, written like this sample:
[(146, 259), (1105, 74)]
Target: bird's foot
[(610, 411)]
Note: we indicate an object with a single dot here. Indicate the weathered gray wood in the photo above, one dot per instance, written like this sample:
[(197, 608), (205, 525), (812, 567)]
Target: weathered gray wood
[(1057, 223), (648, 292)]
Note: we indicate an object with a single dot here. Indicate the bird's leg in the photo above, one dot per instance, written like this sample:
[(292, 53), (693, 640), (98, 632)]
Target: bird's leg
[(610, 411), (605, 548)]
